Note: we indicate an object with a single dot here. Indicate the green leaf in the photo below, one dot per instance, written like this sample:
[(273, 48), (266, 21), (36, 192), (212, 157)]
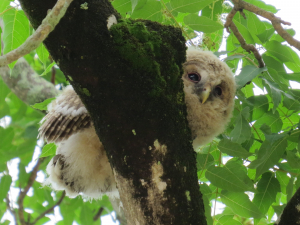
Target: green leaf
[(240, 204), (279, 51), (207, 210), (152, 10), (233, 57), (190, 6), (277, 37), (242, 131), (7, 135), (293, 159), (279, 209), (16, 30), (137, 4), (31, 132), (247, 74), (43, 105), (122, 6), (5, 182), (291, 76), (263, 5), (268, 155), (272, 119), (291, 101), (47, 70), (202, 23), (230, 177), (260, 104), (205, 190), (48, 150), (267, 188), (244, 31), (4, 5), (256, 26), (290, 189), (204, 161), (233, 149), (42, 53), (283, 180), (266, 35), (86, 215)]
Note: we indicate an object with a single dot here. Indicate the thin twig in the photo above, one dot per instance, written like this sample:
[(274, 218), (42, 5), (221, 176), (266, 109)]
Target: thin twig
[(276, 21), (11, 210), (6, 10), (26, 189), (244, 45), (98, 214), (50, 209), (48, 25)]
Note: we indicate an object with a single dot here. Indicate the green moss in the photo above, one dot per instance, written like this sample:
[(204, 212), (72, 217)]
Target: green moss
[(187, 194), (141, 48), (86, 91)]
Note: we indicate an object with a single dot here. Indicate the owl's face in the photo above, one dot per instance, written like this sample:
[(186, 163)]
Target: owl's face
[(209, 94)]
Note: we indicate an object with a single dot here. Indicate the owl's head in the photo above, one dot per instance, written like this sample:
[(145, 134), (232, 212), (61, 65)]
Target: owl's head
[(209, 88)]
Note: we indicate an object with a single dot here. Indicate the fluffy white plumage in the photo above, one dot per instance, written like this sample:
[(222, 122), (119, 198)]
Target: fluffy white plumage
[(81, 164)]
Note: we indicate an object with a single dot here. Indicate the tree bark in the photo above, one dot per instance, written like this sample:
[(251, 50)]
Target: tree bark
[(291, 213), (27, 84), (129, 78)]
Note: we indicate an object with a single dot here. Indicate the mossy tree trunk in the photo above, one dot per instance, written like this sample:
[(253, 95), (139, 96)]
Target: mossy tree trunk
[(129, 78)]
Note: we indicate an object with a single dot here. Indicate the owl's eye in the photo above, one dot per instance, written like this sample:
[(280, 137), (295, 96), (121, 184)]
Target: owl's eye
[(194, 77), (218, 91)]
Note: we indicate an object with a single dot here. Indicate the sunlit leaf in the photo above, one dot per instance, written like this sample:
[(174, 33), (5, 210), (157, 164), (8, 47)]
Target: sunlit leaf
[(280, 51), (152, 10), (16, 30), (5, 182), (122, 6), (48, 150), (43, 105), (240, 204), (230, 177), (48, 69), (4, 5), (268, 156), (242, 130), (42, 53), (190, 6), (202, 23), (267, 188), (233, 149), (247, 74)]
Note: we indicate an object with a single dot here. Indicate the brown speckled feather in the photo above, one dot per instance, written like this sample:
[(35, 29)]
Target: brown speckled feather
[(67, 116)]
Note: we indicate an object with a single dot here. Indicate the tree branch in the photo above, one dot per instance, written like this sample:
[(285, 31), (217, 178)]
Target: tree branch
[(50, 209), (291, 213), (27, 84), (244, 45), (98, 214), (124, 73), (47, 25), (276, 21), (23, 193)]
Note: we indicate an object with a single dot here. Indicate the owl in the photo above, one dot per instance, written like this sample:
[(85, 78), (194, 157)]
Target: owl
[(81, 165)]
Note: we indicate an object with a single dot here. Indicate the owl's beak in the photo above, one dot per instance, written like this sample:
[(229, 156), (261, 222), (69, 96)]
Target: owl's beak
[(205, 93)]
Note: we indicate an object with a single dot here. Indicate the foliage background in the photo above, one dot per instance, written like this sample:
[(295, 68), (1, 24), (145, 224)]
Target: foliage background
[(253, 168)]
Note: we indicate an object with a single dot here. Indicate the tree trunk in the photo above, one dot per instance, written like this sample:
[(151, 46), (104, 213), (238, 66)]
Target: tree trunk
[(129, 78)]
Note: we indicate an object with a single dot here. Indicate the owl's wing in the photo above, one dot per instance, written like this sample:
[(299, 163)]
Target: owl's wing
[(67, 115)]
